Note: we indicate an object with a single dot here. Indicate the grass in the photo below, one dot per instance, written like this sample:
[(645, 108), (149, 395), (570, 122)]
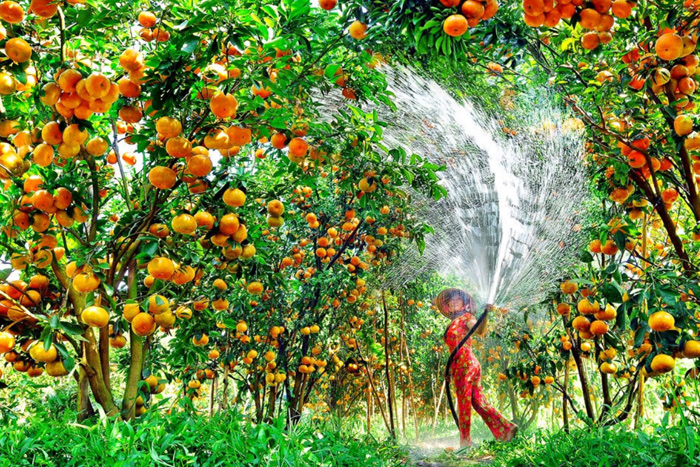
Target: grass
[(658, 446), (180, 440)]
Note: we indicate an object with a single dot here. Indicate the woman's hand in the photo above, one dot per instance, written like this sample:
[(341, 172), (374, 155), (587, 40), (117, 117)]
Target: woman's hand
[(471, 323)]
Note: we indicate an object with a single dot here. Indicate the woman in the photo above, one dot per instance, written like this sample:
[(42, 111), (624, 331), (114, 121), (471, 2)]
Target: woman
[(466, 370)]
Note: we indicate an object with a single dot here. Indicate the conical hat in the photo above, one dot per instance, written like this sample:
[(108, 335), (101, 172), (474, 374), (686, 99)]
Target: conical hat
[(443, 297)]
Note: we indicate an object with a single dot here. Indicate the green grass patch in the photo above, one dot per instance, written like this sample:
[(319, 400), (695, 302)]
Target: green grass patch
[(182, 440), (603, 447)]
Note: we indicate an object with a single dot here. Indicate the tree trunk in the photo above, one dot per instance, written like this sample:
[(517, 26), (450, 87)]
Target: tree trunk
[(369, 410), (83, 403), (439, 403), (212, 396), (639, 414), (93, 368), (403, 406), (137, 356), (582, 375), (564, 401), (104, 356), (387, 359)]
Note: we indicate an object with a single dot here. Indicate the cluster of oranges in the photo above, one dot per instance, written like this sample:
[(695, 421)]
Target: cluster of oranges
[(17, 49), (38, 204), (671, 69), (659, 321), (73, 94), (159, 313), (598, 18), (151, 32), (472, 13)]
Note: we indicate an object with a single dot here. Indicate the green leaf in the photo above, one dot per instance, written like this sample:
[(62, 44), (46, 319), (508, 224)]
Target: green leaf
[(331, 70)]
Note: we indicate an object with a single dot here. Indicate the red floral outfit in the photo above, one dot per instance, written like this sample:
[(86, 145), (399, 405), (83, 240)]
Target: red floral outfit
[(466, 371)]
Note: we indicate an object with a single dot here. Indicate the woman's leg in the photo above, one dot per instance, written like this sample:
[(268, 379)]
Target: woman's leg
[(497, 423), (464, 392)]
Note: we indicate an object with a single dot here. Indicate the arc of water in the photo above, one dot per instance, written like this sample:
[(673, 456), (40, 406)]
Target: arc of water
[(501, 225)]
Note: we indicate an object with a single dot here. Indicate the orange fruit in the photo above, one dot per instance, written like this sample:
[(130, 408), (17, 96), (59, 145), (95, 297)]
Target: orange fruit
[(95, 316), (239, 136), (552, 18), (68, 81), (184, 224), (534, 21), (97, 146), (128, 88), (8, 84), (178, 146), (130, 114), (229, 224), (223, 105), (669, 46), (202, 341), (199, 165), (661, 321), (581, 323), (473, 9), (490, 10), (278, 141), (327, 4), (691, 349), (85, 282), (568, 287), (621, 9), (563, 309), (589, 18), (131, 310), (11, 12), (131, 60), (143, 324), (455, 25), (44, 8), (97, 85), (590, 40), (358, 30), (73, 136), (158, 304), (161, 268), (602, 6), (298, 147), (7, 342), (255, 288), (598, 328), (38, 353), (62, 198), (609, 313), (585, 307), (275, 208), (204, 219), (168, 127), (147, 19), (162, 177), (534, 7), (663, 363), (234, 197)]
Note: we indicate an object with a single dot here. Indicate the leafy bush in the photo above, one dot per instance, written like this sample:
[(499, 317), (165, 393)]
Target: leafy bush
[(179, 439), (617, 446)]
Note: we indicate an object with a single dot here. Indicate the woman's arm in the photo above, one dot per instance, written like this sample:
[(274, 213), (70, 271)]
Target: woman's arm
[(482, 330)]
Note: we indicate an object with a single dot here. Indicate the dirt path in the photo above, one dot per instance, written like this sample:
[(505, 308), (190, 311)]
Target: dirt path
[(431, 452)]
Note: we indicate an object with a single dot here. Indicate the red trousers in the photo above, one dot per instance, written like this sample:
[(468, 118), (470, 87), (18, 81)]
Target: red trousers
[(466, 371), (470, 394)]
